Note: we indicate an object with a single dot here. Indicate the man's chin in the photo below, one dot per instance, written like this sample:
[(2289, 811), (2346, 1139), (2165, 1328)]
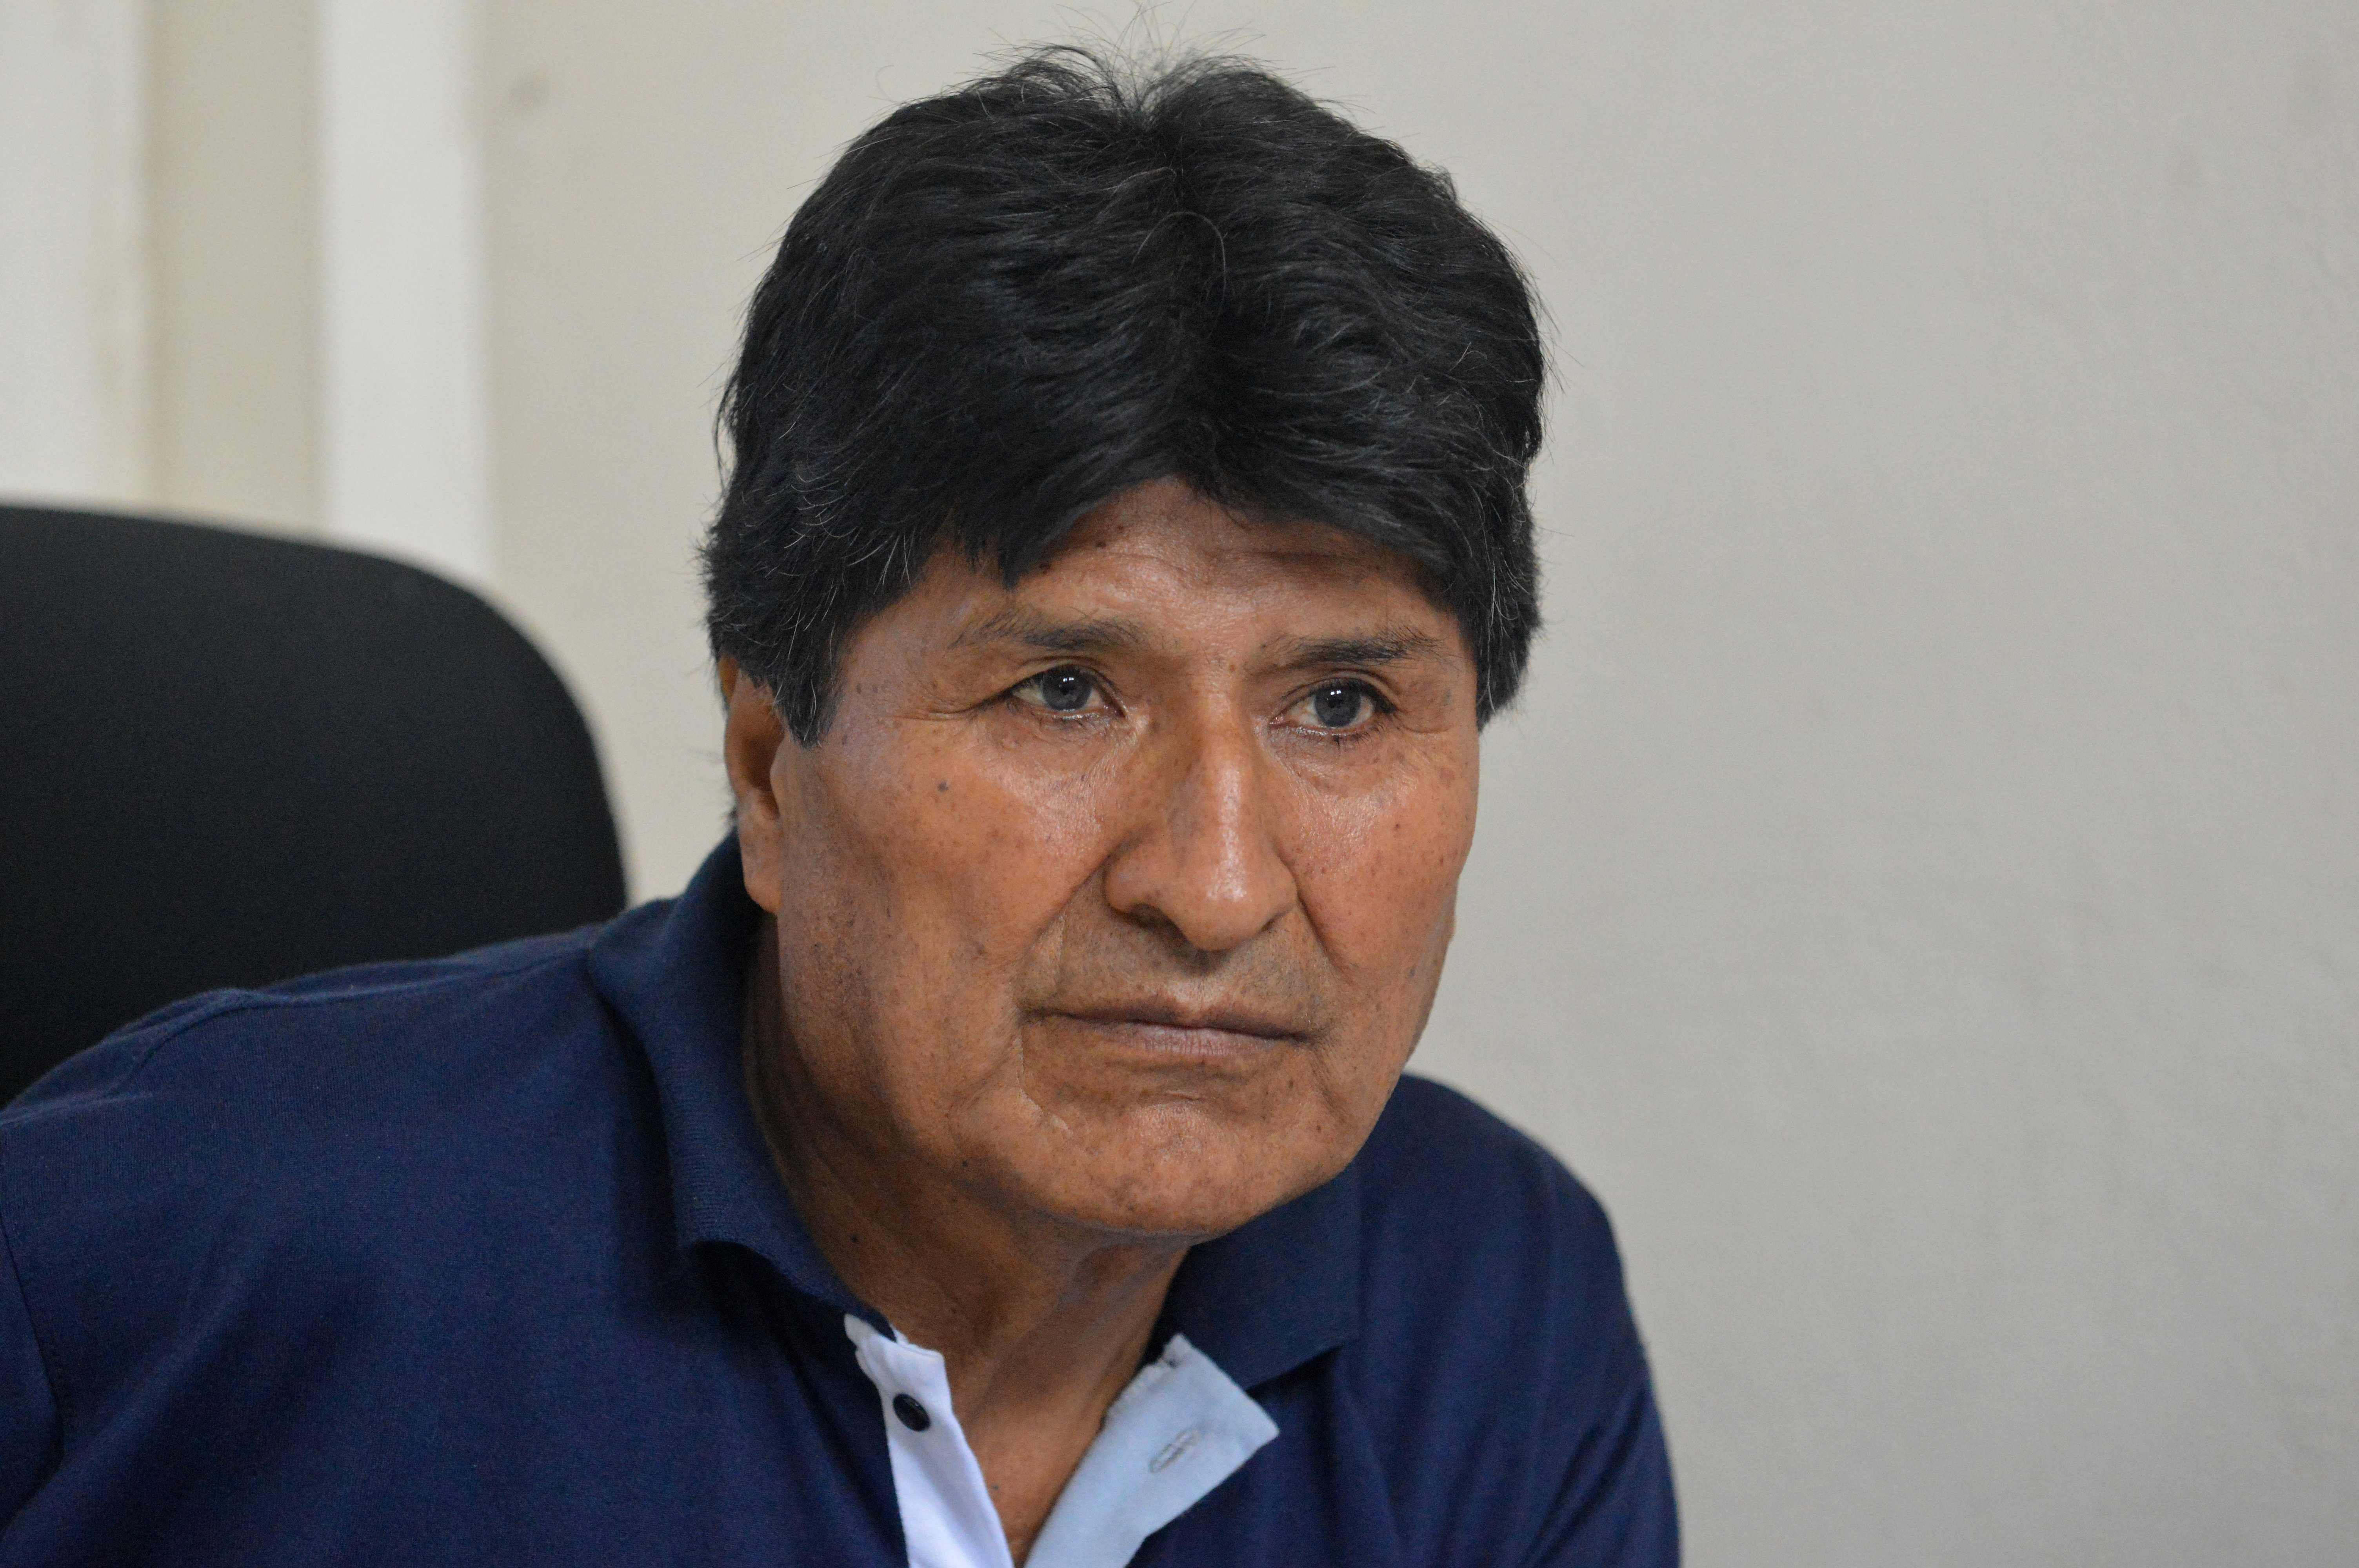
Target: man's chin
[(1190, 1194), (1158, 1223)]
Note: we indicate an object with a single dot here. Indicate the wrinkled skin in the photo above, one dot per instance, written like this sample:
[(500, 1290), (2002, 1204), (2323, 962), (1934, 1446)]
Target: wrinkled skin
[(1151, 965)]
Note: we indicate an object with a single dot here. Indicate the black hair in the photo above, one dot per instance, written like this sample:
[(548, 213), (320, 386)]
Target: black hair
[(1011, 302)]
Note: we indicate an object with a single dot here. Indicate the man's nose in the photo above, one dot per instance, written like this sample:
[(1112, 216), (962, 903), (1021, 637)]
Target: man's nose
[(1202, 857)]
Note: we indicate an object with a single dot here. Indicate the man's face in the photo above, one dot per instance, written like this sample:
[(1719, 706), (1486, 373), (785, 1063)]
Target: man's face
[(1121, 895)]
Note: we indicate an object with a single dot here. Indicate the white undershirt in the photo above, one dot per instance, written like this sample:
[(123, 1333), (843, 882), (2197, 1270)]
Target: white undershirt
[(1178, 1430)]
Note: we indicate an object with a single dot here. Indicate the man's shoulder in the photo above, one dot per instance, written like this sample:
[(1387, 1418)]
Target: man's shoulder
[(329, 1092), (281, 1157), (1439, 1168), (1479, 1244), (1497, 1372), (234, 1052)]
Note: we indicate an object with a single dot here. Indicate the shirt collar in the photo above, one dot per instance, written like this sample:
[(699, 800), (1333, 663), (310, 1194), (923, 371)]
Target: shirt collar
[(1277, 1290), (1260, 1301), (675, 971)]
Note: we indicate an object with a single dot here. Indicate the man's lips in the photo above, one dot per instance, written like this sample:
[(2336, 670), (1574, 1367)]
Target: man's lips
[(1186, 1030)]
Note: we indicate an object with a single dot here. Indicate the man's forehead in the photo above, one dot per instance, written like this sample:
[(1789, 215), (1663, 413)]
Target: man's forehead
[(1166, 520), (1163, 540), (1361, 637), (1135, 590), (1159, 568)]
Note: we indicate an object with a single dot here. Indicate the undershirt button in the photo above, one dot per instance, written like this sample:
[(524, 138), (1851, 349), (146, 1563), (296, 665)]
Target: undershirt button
[(913, 1414)]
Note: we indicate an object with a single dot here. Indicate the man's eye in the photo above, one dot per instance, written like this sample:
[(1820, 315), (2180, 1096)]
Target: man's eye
[(1340, 705), (1060, 690)]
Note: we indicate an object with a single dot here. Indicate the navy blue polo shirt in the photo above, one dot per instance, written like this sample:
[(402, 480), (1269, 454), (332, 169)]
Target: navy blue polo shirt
[(483, 1260)]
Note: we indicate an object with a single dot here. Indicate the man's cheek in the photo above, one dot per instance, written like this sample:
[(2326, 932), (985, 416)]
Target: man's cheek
[(1386, 912), (1000, 815)]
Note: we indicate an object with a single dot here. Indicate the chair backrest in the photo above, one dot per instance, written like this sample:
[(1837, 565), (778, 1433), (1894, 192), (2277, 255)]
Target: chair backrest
[(227, 758)]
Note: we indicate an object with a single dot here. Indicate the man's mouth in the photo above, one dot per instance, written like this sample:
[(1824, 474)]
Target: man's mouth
[(1168, 1027)]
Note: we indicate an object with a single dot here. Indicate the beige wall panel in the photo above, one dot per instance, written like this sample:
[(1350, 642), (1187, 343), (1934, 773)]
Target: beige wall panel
[(405, 417), (1920, 889), (234, 210), (74, 361)]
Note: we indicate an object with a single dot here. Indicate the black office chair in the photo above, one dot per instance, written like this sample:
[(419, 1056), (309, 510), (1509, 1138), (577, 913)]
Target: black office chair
[(227, 758)]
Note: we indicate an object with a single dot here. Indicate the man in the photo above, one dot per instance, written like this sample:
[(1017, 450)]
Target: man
[(999, 1155)]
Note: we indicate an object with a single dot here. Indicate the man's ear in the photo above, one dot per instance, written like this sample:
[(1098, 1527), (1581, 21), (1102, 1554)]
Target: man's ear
[(749, 747)]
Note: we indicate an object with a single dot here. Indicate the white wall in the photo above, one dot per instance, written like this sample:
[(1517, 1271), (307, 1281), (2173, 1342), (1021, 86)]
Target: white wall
[(73, 250), (1920, 889), (405, 430), (233, 219)]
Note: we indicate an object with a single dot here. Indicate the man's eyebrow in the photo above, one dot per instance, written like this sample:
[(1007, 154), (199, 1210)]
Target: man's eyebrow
[(1390, 646), (1047, 634)]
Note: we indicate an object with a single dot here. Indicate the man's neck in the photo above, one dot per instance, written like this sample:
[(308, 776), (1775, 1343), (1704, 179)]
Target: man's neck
[(1040, 1323)]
